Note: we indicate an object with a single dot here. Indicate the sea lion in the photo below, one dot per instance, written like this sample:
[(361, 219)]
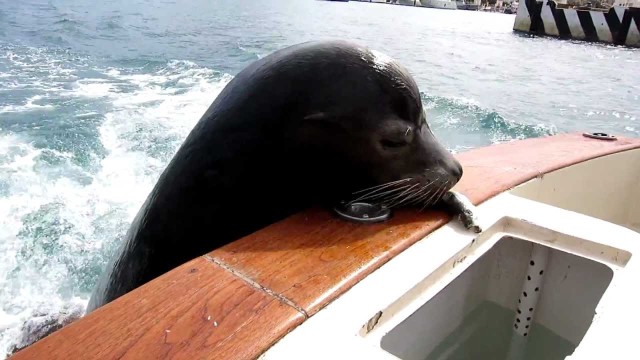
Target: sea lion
[(308, 125)]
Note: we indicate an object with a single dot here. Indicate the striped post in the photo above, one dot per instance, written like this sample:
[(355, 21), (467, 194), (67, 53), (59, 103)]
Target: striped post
[(618, 26)]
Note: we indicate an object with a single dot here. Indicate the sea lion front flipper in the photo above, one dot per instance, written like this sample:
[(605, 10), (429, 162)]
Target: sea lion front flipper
[(460, 206)]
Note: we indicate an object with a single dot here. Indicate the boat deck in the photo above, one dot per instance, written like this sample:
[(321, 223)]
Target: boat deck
[(237, 301)]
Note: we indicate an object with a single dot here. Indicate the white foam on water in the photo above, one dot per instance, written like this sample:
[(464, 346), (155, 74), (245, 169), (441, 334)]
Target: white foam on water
[(465, 101), (55, 230), (38, 72), (93, 88), (28, 106), (85, 115)]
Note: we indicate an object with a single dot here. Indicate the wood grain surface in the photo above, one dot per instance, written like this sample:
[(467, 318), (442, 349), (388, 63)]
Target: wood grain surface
[(196, 311)]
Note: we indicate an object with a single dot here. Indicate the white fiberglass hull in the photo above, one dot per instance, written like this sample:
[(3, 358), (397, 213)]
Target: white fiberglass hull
[(553, 275)]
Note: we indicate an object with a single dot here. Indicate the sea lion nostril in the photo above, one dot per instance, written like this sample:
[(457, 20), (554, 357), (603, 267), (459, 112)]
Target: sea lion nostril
[(457, 173), (452, 168), (455, 170)]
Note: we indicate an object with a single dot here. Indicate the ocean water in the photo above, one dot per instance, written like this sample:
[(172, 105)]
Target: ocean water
[(95, 97)]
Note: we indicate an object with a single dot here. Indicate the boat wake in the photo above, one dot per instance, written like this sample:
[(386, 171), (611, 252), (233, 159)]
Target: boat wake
[(75, 166), (462, 121)]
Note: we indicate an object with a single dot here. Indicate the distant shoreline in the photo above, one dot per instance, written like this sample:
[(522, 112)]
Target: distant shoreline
[(508, 8)]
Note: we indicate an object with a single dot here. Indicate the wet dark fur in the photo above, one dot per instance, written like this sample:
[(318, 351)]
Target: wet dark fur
[(306, 126)]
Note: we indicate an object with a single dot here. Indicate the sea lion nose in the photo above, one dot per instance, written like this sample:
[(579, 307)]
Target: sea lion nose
[(452, 167), (456, 170)]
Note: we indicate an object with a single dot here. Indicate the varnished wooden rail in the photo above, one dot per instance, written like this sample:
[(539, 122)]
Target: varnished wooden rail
[(237, 301)]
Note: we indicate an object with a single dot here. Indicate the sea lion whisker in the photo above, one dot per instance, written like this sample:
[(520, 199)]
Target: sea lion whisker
[(433, 196), (425, 203), (423, 194), (382, 186), (396, 201), (419, 192), (416, 199), (442, 191), (377, 192), (409, 197), (381, 195), (392, 202), (427, 189)]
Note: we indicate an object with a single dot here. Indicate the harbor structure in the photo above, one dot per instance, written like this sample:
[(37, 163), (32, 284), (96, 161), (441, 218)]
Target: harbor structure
[(607, 23)]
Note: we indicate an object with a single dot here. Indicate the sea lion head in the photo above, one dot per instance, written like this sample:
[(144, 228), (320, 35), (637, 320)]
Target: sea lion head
[(367, 134), (311, 124)]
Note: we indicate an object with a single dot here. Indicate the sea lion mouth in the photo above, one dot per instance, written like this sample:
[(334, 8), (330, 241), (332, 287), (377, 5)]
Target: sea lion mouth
[(414, 191)]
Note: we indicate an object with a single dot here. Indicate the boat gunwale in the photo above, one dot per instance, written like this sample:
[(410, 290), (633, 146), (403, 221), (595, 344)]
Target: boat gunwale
[(262, 286)]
